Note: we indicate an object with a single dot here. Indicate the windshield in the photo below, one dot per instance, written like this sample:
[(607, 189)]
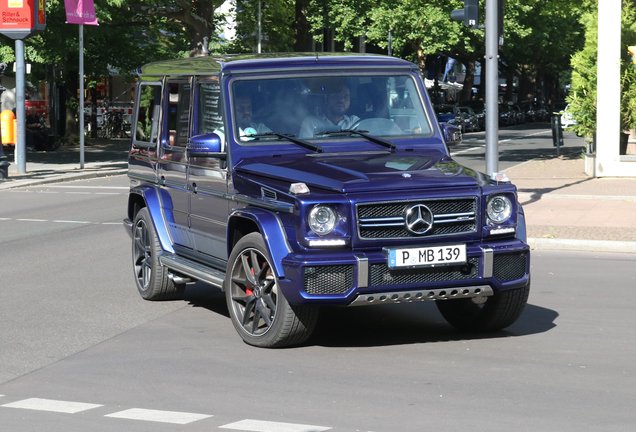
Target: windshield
[(312, 108)]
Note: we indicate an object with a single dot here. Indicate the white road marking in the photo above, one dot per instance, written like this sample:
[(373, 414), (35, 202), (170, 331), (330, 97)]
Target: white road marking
[(159, 416), (268, 426), (51, 405), (63, 221), (88, 187)]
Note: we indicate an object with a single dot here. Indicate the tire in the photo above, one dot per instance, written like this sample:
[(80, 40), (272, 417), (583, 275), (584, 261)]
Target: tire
[(151, 277), (258, 309), (498, 312)]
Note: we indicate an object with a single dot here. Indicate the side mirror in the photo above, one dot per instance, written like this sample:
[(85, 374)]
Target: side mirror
[(206, 145), (452, 134)]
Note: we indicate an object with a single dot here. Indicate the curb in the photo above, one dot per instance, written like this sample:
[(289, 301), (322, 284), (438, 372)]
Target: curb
[(582, 245), (58, 178), (530, 195)]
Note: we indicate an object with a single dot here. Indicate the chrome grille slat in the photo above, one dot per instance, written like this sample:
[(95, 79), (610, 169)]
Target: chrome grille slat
[(385, 220)]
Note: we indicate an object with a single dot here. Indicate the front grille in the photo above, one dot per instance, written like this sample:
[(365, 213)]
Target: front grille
[(336, 279), (510, 266), (379, 274), (387, 220)]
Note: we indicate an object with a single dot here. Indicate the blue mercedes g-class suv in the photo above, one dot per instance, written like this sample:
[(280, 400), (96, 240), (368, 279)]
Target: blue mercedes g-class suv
[(295, 181)]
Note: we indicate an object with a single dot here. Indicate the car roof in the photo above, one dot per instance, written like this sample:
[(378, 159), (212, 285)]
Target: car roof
[(246, 63)]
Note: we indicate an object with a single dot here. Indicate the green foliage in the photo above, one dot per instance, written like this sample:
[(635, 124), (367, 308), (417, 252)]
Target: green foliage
[(582, 98), (276, 20)]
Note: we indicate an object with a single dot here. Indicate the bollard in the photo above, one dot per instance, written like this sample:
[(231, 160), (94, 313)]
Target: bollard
[(557, 132)]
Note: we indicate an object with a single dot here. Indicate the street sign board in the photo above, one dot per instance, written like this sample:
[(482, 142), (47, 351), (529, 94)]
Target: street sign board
[(20, 19)]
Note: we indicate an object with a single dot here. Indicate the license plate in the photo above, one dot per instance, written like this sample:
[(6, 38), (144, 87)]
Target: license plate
[(426, 256)]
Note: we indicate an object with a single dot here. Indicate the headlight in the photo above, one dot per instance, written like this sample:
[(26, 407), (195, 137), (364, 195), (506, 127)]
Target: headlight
[(322, 219), (499, 208)]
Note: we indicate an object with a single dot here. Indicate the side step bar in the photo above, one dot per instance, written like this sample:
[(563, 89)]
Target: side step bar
[(476, 292), (192, 269)]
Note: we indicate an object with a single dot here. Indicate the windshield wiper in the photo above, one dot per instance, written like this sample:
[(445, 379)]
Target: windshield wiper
[(289, 137), (362, 133)]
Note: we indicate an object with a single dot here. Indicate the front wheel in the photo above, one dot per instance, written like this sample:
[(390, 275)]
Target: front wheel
[(258, 309), (498, 312)]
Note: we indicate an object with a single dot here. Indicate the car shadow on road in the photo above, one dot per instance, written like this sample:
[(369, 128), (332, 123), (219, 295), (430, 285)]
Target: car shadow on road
[(205, 296), (412, 323), (384, 325)]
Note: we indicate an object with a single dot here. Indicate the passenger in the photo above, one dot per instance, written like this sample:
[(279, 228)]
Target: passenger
[(246, 126), (335, 118)]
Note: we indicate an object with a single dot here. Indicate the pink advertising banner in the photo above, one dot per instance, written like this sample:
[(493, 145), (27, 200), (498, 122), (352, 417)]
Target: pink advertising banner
[(80, 12)]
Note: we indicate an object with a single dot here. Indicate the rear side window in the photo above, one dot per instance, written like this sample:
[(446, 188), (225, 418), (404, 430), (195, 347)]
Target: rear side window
[(148, 114), (178, 113)]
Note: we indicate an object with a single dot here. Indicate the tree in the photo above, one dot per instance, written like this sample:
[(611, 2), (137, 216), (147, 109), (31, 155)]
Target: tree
[(276, 26), (582, 97)]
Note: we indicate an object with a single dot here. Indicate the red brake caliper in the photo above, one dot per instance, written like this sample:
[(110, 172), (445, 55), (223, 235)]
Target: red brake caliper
[(248, 290)]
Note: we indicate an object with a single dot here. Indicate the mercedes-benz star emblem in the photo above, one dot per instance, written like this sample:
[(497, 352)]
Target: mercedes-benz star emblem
[(418, 219)]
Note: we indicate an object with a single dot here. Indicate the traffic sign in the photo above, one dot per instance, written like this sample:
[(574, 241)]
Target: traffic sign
[(21, 19)]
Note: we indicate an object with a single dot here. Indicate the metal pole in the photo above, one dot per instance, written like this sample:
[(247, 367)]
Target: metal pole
[(20, 148), (492, 87), (259, 27), (390, 43), (81, 93)]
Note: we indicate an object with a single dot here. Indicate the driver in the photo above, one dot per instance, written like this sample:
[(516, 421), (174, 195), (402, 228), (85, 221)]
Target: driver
[(335, 118), (243, 104)]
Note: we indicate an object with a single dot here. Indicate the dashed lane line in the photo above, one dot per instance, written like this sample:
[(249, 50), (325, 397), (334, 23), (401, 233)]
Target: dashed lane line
[(173, 417), (161, 416), (268, 426), (51, 405), (62, 221)]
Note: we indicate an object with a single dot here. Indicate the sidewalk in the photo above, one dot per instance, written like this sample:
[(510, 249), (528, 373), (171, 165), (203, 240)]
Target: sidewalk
[(565, 209), (101, 159)]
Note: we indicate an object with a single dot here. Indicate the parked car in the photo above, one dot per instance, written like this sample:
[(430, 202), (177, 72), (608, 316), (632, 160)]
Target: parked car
[(519, 115), (566, 118), (292, 182), (471, 122), (542, 113), (450, 114), (528, 110), (479, 107), (506, 116)]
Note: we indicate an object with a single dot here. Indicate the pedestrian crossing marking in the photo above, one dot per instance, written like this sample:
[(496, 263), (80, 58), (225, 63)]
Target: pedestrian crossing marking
[(38, 404), (158, 416), (268, 426)]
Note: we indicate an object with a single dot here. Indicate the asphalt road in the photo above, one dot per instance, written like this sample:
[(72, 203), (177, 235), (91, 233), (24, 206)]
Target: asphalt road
[(81, 351), (517, 144)]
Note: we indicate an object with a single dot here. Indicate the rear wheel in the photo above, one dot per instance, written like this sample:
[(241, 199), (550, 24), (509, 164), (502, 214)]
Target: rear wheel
[(499, 311), (152, 278), (258, 309)]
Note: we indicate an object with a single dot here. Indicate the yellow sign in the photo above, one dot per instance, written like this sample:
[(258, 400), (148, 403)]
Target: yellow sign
[(632, 50), (16, 3)]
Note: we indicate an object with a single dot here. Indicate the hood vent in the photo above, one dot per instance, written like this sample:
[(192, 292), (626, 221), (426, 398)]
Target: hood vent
[(268, 194)]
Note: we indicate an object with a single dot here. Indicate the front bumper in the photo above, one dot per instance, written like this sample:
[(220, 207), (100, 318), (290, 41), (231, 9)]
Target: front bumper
[(348, 278)]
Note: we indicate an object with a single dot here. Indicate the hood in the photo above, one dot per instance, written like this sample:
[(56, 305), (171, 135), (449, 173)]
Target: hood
[(364, 172)]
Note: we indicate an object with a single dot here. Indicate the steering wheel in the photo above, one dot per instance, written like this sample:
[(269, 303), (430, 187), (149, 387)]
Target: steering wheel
[(378, 126)]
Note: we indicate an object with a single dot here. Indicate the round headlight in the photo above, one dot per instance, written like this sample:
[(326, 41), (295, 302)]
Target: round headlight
[(499, 208), (322, 219)]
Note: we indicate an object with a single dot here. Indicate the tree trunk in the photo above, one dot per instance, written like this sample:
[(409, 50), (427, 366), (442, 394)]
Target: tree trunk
[(94, 112), (301, 28), (71, 104), (469, 81), (201, 26), (421, 59)]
